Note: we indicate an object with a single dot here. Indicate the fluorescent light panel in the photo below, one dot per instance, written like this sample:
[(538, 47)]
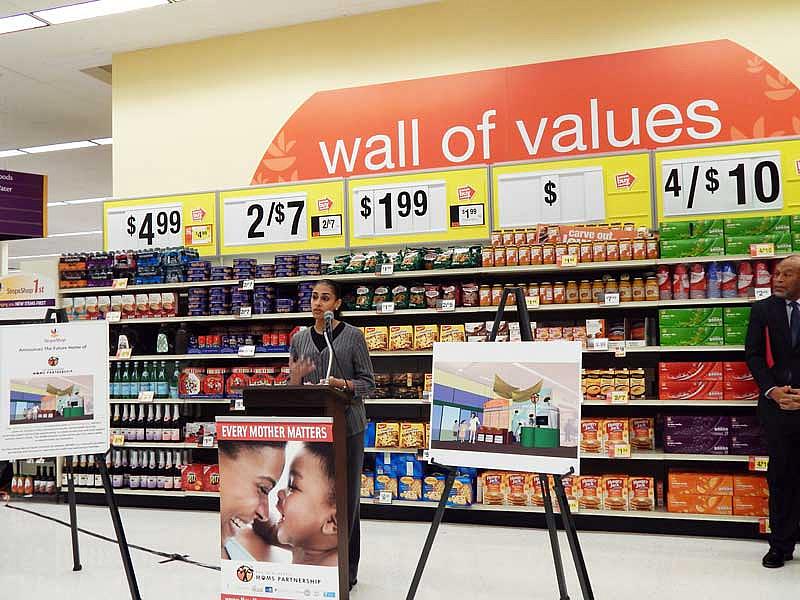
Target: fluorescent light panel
[(10, 153), (57, 147), (94, 9), (20, 23), (81, 201), (76, 233), (103, 141)]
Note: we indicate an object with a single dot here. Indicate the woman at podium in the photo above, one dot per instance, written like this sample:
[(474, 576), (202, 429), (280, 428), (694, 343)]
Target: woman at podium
[(351, 371)]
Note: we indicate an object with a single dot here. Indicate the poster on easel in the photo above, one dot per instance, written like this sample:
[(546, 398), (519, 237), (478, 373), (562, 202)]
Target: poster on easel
[(507, 405), (54, 390)]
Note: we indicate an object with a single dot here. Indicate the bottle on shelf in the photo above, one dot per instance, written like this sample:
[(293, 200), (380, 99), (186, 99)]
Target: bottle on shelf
[(116, 422), (96, 475), (161, 471), (145, 379), (112, 377), (166, 425), (173, 381), (177, 476), (124, 424), (140, 425), (152, 473), (176, 432), (181, 339), (163, 381), (37, 481), (125, 383), (149, 425), (133, 470), (169, 479), (125, 473), (158, 425), (164, 344), (50, 487), (83, 472), (117, 476), (136, 380), (27, 486)]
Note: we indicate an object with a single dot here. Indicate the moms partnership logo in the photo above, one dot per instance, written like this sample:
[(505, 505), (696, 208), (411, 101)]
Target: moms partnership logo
[(244, 574)]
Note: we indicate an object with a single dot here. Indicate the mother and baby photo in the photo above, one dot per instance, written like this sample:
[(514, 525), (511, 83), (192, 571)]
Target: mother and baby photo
[(278, 502)]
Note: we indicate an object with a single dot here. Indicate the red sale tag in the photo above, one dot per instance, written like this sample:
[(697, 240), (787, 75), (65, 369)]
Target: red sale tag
[(466, 192), (324, 204), (625, 180), (198, 214)]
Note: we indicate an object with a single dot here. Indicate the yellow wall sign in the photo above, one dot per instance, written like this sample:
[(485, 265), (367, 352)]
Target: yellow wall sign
[(161, 222), (435, 206), (277, 218), (602, 189), (733, 180)]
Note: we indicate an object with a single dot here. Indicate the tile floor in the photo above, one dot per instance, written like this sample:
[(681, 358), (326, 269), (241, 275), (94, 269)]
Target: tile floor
[(468, 562)]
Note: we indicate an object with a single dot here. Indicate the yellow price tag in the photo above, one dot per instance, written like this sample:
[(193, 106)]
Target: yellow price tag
[(568, 260), (199, 235), (119, 284), (620, 451), (124, 353), (618, 397), (759, 463), (532, 302), (762, 250), (117, 440)]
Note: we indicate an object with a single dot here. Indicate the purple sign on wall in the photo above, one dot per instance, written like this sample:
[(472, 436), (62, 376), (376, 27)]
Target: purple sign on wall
[(23, 205)]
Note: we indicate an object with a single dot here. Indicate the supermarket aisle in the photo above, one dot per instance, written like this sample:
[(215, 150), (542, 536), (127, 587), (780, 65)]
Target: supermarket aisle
[(468, 562)]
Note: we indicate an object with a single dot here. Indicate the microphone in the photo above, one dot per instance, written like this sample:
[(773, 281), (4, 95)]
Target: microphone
[(328, 316)]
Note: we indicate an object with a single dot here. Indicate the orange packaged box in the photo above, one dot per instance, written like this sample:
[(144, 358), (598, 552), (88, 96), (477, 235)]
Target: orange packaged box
[(700, 504), (493, 488), (736, 371), (750, 486), (740, 389), (746, 506), (716, 484), (642, 433), (589, 492), (641, 493), (590, 435), (615, 492), (612, 432)]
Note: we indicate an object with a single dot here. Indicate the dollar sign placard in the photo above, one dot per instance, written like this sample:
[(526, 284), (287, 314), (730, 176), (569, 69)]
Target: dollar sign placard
[(280, 217), (713, 183), (551, 201), (550, 195), (143, 226), (366, 207)]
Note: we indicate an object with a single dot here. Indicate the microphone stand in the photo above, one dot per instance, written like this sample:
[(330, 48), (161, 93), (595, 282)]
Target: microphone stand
[(328, 334)]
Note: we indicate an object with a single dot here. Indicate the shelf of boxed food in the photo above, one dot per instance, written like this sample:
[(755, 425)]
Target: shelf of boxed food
[(167, 445), (130, 492), (397, 401), (179, 401), (722, 258), (669, 403), (653, 514), (667, 456), (373, 450)]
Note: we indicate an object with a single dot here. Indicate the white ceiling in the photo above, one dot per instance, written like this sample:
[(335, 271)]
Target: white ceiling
[(46, 98)]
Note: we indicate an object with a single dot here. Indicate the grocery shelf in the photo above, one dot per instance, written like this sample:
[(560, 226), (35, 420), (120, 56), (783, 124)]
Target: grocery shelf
[(214, 318), (393, 450), (655, 514), (130, 492), (165, 445), (396, 401), (706, 259), (664, 456), (170, 357), (668, 403), (189, 494), (730, 348)]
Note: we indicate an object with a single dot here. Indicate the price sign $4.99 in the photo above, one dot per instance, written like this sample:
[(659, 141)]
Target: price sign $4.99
[(722, 184), (398, 209), (142, 227)]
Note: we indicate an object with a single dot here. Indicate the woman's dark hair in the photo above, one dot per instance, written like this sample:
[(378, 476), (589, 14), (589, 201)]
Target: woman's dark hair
[(233, 449), (337, 289), (323, 452)]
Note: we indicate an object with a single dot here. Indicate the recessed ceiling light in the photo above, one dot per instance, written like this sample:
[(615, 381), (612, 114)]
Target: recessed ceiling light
[(85, 201), (9, 153), (19, 23), (93, 9), (76, 233), (103, 141), (57, 147)]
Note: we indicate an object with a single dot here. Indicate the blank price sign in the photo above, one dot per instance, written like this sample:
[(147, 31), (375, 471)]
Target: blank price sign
[(435, 206), (599, 189), (283, 217)]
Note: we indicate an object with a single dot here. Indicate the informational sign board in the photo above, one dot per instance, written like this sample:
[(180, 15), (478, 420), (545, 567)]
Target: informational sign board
[(512, 405), (23, 205), (26, 296), (277, 218), (54, 390), (161, 222), (442, 206), (284, 543), (603, 189), (731, 180)]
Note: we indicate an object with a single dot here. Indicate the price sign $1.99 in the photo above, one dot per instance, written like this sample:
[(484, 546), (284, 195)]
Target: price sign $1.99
[(398, 209), (722, 184), (142, 227)]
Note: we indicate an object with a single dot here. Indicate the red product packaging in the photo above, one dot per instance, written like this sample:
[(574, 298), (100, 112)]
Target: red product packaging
[(690, 390), (680, 283), (736, 371), (214, 382), (664, 283), (750, 486), (740, 390), (237, 381), (192, 478), (698, 283), (690, 371), (744, 506), (763, 278), (211, 478), (744, 282)]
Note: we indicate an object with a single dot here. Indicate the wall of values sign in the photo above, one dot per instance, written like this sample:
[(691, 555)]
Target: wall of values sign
[(278, 218), (601, 189), (738, 180)]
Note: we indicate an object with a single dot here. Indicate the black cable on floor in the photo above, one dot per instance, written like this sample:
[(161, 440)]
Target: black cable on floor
[(168, 557)]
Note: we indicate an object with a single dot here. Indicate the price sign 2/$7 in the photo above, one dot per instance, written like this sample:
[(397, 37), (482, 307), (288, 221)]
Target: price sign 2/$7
[(722, 184)]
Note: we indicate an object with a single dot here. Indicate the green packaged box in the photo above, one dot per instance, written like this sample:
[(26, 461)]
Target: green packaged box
[(692, 336), (683, 230), (734, 335), (796, 240), (795, 223), (705, 246), (757, 226), (736, 316), (741, 244), (690, 317)]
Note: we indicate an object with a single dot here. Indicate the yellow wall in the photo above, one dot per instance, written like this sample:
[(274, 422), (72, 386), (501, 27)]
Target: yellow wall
[(199, 116)]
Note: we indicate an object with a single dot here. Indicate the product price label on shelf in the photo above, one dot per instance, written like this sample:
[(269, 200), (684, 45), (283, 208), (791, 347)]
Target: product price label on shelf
[(124, 353), (208, 441), (448, 305), (248, 285), (762, 293), (148, 223), (238, 404), (573, 504), (146, 396), (763, 526), (446, 205), (276, 218), (531, 302), (620, 451), (759, 463), (426, 455), (245, 351), (113, 316), (611, 299), (762, 250), (387, 269), (384, 497), (728, 180), (245, 312), (119, 284), (198, 235), (603, 189), (117, 440), (568, 260), (385, 308), (617, 347), (597, 344), (617, 397)]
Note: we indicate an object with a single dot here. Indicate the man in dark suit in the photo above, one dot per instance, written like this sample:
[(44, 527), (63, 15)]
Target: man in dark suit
[(773, 355)]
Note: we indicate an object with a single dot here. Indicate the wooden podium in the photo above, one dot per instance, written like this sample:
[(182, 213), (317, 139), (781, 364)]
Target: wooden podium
[(313, 401)]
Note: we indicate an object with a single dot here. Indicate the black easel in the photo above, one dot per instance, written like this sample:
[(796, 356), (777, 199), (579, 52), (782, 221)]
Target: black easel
[(550, 518), (60, 316)]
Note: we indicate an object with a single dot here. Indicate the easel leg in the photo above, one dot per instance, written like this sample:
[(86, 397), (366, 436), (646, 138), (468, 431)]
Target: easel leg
[(73, 515), (115, 518), (550, 517), (572, 538), (426, 549)]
